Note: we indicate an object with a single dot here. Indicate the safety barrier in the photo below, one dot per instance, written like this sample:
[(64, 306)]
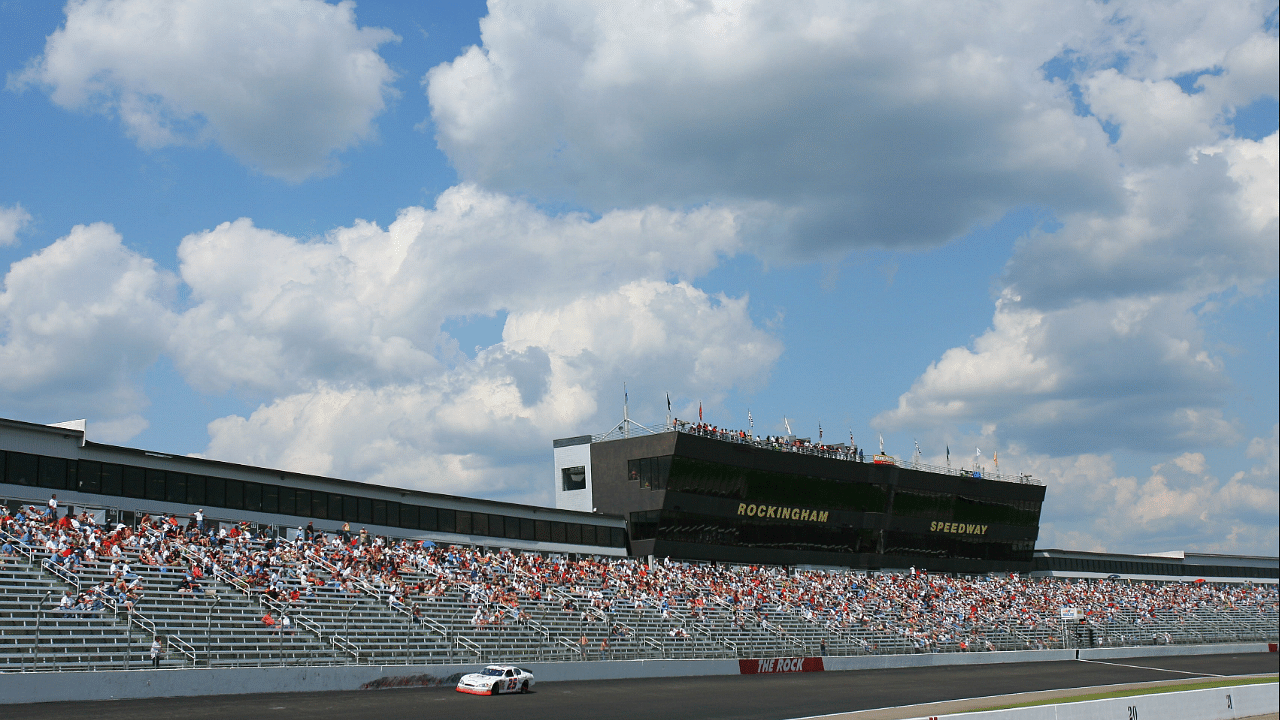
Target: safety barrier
[(121, 684), (1224, 703)]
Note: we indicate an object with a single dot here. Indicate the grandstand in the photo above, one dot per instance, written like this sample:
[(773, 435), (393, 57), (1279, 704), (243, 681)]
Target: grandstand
[(89, 587)]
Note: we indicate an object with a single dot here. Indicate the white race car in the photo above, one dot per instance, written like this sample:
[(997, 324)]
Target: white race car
[(497, 679)]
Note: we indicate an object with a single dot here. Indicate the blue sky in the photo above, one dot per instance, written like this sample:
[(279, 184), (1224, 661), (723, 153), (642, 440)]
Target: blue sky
[(411, 243)]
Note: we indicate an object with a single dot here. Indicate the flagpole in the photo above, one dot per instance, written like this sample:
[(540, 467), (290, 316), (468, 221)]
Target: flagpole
[(626, 418)]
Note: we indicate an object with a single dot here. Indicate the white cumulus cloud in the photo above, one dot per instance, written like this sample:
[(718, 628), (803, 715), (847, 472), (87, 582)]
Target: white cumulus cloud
[(12, 220), (280, 84), (80, 321)]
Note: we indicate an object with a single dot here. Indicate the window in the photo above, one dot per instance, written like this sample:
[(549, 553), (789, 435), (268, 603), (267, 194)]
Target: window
[(573, 478), (302, 502), (53, 473), (464, 523), (253, 497), (350, 509), (618, 537), (135, 482), (379, 512), (235, 495), (319, 504), (393, 514), (542, 531), (21, 469), (409, 516), (526, 529), (480, 523), (573, 533), (650, 473), (558, 532), (271, 498), (175, 487), (446, 518), (288, 501), (512, 528), (428, 519), (366, 510), (90, 476), (155, 484), (644, 525), (112, 480), (588, 535), (335, 507)]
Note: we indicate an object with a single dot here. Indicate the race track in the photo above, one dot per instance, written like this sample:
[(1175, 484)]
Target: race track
[(753, 697)]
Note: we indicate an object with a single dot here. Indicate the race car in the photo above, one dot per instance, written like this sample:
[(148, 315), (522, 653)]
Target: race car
[(497, 679)]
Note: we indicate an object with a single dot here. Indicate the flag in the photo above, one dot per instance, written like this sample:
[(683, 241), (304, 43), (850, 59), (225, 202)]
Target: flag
[(750, 422), (819, 430), (948, 453), (881, 443), (977, 452), (668, 403), (917, 442), (996, 457), (624, 394), (699, 411), (787, 424)]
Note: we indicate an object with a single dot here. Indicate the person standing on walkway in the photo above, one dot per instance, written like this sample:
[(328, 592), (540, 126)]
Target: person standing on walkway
[(157, 650)]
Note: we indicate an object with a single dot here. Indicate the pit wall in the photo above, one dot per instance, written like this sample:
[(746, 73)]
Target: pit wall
[(29, 687), (1226, 703)]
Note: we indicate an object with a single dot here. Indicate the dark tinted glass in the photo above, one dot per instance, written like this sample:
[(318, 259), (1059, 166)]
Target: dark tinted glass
[(366, 510), (319, 504), (393, 514), (195, 489), (135, 482), (235, 495), (617, 537), (350, 509), (90, 476), (335, 507), (428, 519), (215, 491), (53, 473), (542, 531), (512, 528), (175, 487), (253, 497), (463, 523), (21, 469), (409, 516), (288, 501), (558, 532), (302, 502), (446, 521), (271, 498), (155, 484), (112, 480), (479, 524), (573, 533), (379, 512), (526, 529), (588, 535)]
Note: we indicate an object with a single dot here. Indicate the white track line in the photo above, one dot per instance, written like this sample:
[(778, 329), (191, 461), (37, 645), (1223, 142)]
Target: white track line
[(1145, 667)]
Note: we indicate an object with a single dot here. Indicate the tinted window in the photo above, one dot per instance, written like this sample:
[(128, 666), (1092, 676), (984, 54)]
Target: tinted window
[(350, 509), (335, 507), (427, 518), (253, 497), (379, 512), (235, 495), (366, 510), (573, 478), (588, 535), (155, 484), (393, 514), (618, 537), (512, 528), (573, 533), (288, 500), (463, 523), (112, 480), (409, 516), (175, 487), (319, 504), (195, 489), (446, 518), (542, 531), (21, 469), (302, 502), (558, 532), (215, 491), (271, 498), (135, 482), (90, 476), (526, 529), (479, 524), (53, 473)]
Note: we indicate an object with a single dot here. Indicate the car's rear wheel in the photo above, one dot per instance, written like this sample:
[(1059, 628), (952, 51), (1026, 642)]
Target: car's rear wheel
[(524, 687)]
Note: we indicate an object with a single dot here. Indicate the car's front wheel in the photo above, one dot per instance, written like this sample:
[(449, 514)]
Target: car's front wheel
[(495, 688), (524, 687)]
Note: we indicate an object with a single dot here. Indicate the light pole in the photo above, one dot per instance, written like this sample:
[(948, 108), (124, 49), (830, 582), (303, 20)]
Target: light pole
[(35, 649), (208, 630)]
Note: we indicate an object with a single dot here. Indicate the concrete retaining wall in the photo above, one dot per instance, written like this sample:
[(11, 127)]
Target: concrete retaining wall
[(121, 684), (1227, 703)]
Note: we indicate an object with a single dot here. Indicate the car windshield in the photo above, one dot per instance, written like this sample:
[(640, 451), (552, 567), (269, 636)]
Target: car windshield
[(492, 672)]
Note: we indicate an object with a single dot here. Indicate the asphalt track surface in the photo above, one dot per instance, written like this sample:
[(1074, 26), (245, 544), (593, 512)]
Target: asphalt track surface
[(749, 697)]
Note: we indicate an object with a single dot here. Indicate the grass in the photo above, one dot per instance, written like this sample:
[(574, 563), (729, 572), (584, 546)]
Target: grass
[(1225, 682)]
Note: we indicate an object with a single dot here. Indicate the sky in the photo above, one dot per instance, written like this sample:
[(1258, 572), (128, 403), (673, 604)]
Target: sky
[(412, 243)]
